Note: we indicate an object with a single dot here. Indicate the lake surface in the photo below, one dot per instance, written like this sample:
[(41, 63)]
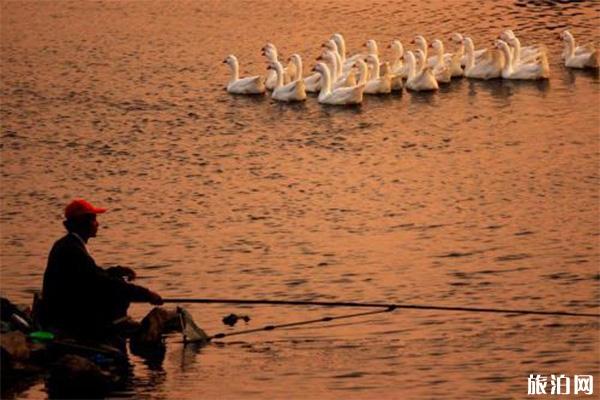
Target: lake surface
[(485, 194)]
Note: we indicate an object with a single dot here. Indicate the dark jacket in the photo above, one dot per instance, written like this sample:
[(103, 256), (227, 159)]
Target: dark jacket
[(78, 296)]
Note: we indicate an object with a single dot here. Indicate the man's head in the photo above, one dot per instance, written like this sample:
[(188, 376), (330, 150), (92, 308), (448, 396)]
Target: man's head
[(80, 218)]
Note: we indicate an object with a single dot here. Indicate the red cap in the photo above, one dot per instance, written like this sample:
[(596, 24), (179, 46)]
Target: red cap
[(79, 207)]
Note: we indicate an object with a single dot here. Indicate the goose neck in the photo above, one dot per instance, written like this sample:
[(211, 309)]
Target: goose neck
[(341, 44), (362, 69), (338, 65), (569, 44), (508, 66), (374, 62), (326, 77), (299, 66), (235, 70), (469, 51), (411, 61), (517, 48), (279, 71)]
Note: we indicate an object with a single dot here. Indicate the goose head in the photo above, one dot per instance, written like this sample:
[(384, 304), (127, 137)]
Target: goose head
[(269, 46), (295, 59), (372, 46), (421, 42), (419, 58), (339, 41), (397, 48), (502, 45), (566, 35), (409, 58), (271, 66), (230, 60), (327, 56), (270, 51), (507, 35), (437, 45), (330, 45), (372, 59), (468, 42), (321, 68), (456, 38)]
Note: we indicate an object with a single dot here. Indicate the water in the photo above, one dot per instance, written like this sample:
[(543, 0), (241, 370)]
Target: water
[(484, 194)]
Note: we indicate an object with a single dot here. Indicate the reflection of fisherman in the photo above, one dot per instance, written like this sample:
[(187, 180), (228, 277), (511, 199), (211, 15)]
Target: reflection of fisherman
[(79, 297)]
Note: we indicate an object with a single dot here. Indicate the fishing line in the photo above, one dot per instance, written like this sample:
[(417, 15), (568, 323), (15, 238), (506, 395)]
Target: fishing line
[(290, 324), (380, 305)]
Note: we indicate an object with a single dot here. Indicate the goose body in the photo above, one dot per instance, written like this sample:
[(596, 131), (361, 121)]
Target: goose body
[(488, 66), (312, 83), (538, 69), (293, 91), (237, 85), (340, 96), (380, 82), (419, 79), (579, 56)]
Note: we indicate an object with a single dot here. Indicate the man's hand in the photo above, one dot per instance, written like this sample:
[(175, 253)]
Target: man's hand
[(154, 298), (122, 272)]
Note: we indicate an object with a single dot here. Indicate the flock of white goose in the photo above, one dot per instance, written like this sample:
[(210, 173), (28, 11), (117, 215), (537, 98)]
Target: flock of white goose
[(340, 79)]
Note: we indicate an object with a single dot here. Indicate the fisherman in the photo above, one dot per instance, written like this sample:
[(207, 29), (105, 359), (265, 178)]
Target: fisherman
[(78, 297)]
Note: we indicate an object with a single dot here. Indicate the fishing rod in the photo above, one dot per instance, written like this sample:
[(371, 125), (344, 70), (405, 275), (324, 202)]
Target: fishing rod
[(299, 323), (380, 305)]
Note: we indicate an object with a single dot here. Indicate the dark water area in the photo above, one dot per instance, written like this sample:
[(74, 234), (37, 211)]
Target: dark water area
[(484, 194)]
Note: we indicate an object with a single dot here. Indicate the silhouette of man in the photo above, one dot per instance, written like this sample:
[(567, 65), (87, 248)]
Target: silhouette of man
[(80, 298)]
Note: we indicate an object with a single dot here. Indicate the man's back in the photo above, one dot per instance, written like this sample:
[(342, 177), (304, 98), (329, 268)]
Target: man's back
[(78, 296)]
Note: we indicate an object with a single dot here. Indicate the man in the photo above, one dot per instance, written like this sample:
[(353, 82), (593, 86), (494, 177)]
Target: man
[(80, 298)]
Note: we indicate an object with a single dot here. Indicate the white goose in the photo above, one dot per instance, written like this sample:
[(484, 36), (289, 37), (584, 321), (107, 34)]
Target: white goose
[(270, 51), (336, 65), (459, 40), (337, 79), (341, 96), (312, 83), (422, 45), (347, 63), (418, 79), (293, 91), (399, 69), (454, 60), (237, 85), (441, 68), (488, 66), (579, 56), (538, 69), (522, 54), (380, 81)]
